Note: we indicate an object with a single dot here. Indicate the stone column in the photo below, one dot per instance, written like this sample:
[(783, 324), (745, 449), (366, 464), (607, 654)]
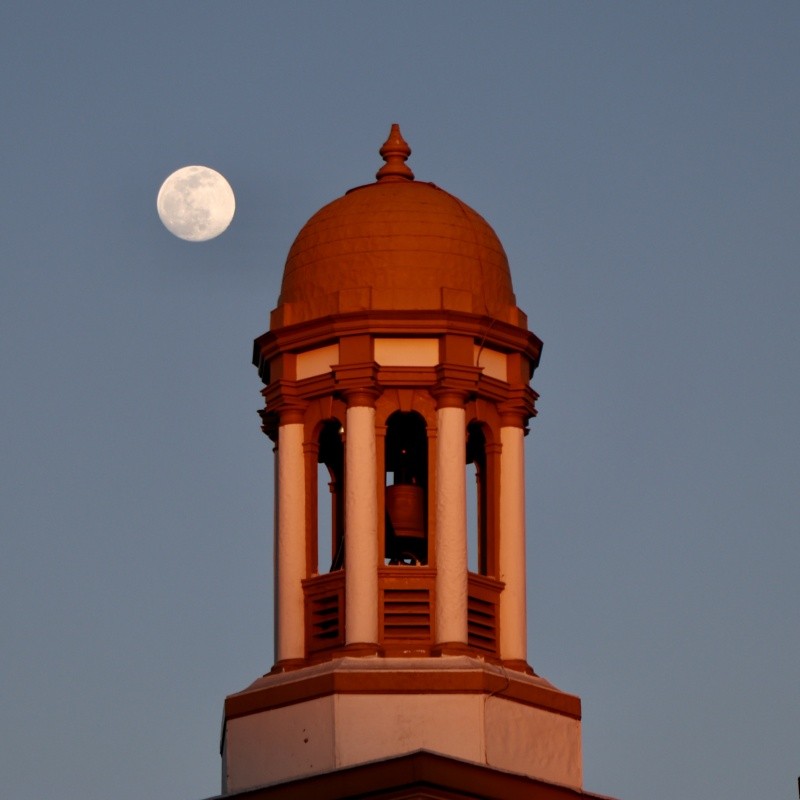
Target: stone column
[(513, 626), (451, 523), (361, 523), (290, 540)]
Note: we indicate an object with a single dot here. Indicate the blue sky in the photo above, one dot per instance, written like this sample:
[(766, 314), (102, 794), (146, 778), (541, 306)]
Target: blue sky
[(640, 163)]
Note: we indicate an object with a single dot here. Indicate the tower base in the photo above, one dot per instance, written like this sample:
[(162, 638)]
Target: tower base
[(320, 720)]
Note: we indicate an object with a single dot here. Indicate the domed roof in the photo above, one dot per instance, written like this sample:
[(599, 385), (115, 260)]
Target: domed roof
[(396, 244)]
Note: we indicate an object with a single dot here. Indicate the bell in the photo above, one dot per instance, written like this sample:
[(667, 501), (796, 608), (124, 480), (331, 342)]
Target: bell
[(405, 507)]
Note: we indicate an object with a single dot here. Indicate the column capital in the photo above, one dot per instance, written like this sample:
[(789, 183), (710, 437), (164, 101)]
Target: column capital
[(358, 383), (293, 414), (518, 407), (284, 405), (449, 398), (511, 417), (460, 378), (278, 414), (365, 396)]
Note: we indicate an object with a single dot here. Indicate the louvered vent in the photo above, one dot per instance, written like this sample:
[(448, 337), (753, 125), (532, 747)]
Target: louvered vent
[(482, 623), (324, 612), (407, 614)]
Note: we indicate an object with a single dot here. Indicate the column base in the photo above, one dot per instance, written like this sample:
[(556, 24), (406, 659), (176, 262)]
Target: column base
[(518, 665), (288, 665), (452, 649), (362, 649)]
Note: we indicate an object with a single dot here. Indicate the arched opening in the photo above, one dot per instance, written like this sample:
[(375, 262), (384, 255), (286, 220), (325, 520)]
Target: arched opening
[(330, 497), (406, 468), (477, 499)]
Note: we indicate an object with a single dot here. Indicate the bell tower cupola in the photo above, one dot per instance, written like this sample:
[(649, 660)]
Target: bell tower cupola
[(397, 358), (397, 394)]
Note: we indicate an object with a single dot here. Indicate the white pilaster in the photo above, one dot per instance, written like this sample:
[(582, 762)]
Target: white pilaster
[(451, 527), (291, 544), (361, 527), (513, 631)]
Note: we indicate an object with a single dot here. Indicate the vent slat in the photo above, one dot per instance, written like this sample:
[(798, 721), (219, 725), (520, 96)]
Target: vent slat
[(408, 619)]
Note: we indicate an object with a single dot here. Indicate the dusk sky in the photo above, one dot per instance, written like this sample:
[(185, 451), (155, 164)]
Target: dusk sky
[(640, 162)]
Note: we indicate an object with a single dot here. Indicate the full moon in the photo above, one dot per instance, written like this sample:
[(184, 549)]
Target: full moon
[(196, 203)]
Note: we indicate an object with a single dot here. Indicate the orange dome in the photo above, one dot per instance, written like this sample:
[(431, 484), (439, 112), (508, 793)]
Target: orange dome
[(396, 244)]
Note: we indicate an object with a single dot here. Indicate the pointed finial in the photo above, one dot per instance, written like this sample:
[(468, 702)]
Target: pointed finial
[(395, 151)]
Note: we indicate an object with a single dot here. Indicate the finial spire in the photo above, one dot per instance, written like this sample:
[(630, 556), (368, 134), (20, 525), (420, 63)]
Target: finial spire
[(395, 151)]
